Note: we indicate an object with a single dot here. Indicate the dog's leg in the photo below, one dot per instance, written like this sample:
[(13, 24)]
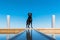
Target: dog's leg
[(31, 25)]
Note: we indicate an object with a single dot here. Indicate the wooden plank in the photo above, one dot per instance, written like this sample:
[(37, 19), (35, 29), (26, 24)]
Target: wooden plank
[(11, 31), (49, 30), (43, 30)]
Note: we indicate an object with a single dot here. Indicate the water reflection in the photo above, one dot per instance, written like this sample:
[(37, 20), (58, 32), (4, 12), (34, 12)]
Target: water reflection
[(28, 34), (57, 36), (2, 36), (31, 35), (22, 36)]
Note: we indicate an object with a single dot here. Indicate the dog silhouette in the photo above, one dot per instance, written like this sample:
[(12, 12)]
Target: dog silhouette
[(29, 20)]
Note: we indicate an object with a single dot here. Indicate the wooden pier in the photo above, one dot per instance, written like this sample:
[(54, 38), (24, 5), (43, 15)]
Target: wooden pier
[(11, 31), (43, 30)]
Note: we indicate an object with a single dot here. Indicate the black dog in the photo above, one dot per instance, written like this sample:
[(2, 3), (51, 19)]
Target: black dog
[(29, 20)]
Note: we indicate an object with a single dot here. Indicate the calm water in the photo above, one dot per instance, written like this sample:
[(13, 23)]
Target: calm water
[(35, 36)]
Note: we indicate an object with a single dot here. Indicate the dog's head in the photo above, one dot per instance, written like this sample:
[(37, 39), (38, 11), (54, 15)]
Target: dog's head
[(30, 14)]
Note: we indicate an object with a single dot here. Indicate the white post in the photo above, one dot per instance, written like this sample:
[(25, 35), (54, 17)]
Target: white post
[(53, 21), (53, 24), (8, 25)]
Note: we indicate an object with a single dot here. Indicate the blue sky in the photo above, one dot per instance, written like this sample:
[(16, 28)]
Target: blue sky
[(42, 11)]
